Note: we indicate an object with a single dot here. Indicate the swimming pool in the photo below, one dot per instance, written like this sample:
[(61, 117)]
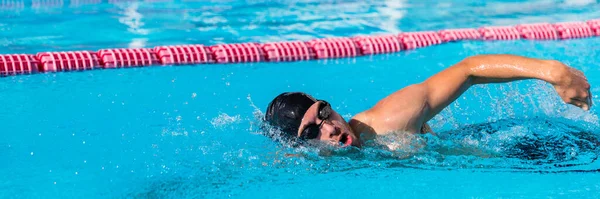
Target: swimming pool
[(192, 131)]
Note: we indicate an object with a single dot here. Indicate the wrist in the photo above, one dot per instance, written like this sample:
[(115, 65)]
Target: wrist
[(557, 72)]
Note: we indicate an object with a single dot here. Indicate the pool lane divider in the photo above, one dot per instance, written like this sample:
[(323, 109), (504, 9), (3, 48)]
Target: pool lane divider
[(287, 51)]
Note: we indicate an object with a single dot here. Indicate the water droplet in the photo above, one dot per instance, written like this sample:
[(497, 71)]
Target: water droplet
[(54, 182), (31, 153), (76, 173), (83, 142), (85, 161), (40, 134), (194, 95)]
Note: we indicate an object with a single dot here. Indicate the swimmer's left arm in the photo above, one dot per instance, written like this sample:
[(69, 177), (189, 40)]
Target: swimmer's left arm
[(446, 86), (409, 108)]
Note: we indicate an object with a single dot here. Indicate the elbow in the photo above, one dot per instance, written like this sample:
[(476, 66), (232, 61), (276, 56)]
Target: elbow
[(469, 68), (473, 60)]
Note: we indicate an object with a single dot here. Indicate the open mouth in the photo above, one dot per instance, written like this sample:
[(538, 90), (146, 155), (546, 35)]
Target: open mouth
[(345, 139)]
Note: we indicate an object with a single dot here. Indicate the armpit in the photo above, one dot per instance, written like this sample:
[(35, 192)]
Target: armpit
[(426, 129)]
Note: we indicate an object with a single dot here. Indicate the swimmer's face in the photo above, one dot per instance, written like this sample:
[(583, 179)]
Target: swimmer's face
[(321, 122)]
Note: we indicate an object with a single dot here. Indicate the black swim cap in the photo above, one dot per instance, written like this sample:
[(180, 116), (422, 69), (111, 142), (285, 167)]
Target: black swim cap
[(286, 112)]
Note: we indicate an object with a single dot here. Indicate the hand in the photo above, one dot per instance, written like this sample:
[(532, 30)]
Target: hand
[(573, 87)]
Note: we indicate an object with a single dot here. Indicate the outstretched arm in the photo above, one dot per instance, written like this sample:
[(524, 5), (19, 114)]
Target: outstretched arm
[(444, 87), (411, 107)]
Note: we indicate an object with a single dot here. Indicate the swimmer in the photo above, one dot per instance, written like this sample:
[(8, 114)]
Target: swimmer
[(300, 117)]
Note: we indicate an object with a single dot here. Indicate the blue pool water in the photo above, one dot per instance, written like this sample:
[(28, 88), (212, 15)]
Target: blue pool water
[(193, 131)]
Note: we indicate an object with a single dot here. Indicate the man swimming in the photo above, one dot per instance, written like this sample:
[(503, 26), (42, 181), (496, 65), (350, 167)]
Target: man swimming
[(300, 117)]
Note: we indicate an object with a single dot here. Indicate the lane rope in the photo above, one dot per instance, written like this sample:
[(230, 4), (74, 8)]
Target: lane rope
[(287, 51)]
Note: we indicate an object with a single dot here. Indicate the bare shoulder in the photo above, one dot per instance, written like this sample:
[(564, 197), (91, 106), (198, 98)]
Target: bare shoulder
[(400, 111), (361, 124), (412, 97)]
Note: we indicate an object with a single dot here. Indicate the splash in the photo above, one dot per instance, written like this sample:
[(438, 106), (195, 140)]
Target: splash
[(223, 120), (555, 137), (536, 144), (539, 144), (175, 127)]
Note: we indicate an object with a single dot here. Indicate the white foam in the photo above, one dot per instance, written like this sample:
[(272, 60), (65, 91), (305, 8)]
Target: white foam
[(133, 19), (138, 43), (223, 119)]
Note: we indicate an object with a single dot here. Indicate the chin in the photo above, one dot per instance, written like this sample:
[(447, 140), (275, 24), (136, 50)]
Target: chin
[(356, 143)]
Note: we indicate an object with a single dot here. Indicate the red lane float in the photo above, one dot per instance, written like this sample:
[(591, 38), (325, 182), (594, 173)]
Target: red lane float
[(500, 33), (460, 34), (413, 40), (77, 3), (124, 57), (543, 31), (12, 4), (288, 51), (276, 51), (68, 61), (378, 44), (238, 53), (120, 1), (571, 30), (41, 4), (183, 54), (18, 64), (595, 26), (334, 48)]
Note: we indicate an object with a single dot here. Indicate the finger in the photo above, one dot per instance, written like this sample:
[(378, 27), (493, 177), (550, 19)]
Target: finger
[(575, 103), (581, 104), (585, 97), (590, 101), (582, 96)]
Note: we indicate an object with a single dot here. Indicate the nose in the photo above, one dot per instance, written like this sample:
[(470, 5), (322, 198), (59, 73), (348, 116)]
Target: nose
[(329, 130)]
